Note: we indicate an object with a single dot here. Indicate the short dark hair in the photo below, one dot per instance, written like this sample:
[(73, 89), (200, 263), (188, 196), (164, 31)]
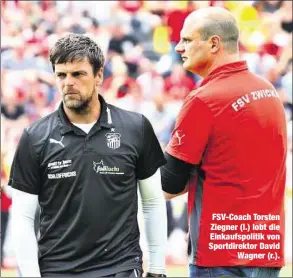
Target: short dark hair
[(76, 47), (227, 30)]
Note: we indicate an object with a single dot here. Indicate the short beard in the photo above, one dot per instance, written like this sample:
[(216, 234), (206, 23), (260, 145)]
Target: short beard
[(82, 108)]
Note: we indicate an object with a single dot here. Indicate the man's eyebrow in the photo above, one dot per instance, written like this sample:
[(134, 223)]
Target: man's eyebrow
[(76, 71), (186, 38), (80, 71)]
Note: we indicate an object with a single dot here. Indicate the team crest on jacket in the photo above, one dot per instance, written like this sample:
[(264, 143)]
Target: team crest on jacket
[(113, 140)]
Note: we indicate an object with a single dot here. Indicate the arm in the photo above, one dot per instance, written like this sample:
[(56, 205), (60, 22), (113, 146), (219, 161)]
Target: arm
[(187, 145), (25, 180), (155, 220), (175, 175), (24, 206)]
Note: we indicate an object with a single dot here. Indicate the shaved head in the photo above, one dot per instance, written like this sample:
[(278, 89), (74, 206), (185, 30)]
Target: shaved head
[(208, 39), (216, 13), (216, 21)]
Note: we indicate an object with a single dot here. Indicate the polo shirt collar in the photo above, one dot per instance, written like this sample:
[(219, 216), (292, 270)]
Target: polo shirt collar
[(225, 69), (105, 119)]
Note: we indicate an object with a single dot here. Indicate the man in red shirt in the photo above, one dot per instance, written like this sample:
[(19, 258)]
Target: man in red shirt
[(228, 150)]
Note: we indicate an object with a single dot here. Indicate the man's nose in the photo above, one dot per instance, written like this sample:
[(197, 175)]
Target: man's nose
[(179, 48), (69, 80)]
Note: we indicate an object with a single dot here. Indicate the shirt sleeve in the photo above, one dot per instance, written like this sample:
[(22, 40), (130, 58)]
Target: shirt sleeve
[(191, 133), (25, 174), (151, 156), (23, 211), (155, 222)]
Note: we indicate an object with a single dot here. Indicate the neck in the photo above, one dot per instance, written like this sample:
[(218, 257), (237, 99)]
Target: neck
[(218, 62), (90, 115)]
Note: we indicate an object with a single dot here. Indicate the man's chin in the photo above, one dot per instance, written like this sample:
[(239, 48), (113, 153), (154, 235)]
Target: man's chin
[(71, 104), (78, 108)]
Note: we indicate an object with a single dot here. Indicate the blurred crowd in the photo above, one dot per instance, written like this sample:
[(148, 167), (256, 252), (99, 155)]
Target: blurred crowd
[(143, 72)]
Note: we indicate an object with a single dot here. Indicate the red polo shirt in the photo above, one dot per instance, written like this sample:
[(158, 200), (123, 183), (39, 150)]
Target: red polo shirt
[(233, 126)]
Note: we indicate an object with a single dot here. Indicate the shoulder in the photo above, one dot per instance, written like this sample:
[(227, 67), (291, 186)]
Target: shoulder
[(126, 118), (209, 91), (133, 126), (261, 79), (196, 104), (197, 96), (43, 127)]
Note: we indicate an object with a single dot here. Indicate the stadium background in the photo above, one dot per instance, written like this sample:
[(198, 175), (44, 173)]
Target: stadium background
[(142, 73)]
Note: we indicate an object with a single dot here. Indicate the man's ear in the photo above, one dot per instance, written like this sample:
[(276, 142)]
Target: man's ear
[(100, 77), (215, 44)]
